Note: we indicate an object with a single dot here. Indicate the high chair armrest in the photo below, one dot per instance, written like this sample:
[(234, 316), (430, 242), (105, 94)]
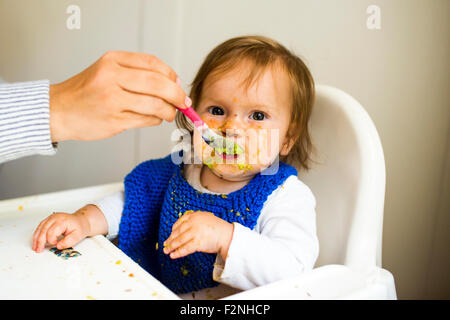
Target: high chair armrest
[(327, 282)]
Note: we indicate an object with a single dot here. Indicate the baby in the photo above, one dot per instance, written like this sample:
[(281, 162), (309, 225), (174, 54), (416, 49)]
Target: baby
[(227, 219)]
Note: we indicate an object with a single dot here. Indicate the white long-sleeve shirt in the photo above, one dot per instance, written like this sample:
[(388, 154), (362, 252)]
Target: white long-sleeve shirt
[(25, 120), (282, 244)]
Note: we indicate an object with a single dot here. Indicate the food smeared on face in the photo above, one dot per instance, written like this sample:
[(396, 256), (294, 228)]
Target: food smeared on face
[(226, 147), (244, 166)]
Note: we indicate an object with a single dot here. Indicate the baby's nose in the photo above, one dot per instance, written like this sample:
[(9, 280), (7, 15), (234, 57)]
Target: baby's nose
[(234, 126)]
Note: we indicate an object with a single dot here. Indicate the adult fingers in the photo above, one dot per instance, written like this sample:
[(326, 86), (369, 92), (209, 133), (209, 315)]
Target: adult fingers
[(149, 106), (139, 60), (133, 120), (153, 84)]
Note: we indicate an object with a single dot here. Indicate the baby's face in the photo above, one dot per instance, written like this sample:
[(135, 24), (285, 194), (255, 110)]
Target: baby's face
[(256, 118)]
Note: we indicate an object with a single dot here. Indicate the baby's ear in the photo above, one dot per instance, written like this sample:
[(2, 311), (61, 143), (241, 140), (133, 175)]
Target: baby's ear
[(288, 143)]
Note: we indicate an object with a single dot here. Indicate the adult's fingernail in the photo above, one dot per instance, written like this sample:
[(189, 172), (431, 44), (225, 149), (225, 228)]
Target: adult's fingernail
[(188, 102)]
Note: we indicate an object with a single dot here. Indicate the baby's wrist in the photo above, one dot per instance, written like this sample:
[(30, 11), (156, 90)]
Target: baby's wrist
[(227, 236), (83, 216)]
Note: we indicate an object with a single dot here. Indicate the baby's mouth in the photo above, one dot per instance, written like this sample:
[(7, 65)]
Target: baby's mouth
[(234, 159), (227, 147), (229, 150), (226, 157)]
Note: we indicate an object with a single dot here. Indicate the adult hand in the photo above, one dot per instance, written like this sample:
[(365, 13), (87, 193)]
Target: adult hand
[(120, 91)]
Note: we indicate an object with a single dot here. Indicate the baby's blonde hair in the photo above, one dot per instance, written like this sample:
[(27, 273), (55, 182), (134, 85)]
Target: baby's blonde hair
[(262, 53)]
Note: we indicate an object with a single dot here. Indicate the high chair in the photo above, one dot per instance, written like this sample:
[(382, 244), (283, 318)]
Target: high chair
[(348, 181)]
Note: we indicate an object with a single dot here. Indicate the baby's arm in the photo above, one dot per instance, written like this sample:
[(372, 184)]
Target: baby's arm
[(112, 207), (86, 222), (283, 244)]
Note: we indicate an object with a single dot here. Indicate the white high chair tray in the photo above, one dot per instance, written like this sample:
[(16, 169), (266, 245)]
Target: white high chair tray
[(101, 272)]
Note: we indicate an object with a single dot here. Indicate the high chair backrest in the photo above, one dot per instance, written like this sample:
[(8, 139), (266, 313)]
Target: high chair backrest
[(348, 180)]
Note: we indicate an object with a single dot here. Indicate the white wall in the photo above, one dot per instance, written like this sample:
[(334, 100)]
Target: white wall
[(37, 45), (399, 74)]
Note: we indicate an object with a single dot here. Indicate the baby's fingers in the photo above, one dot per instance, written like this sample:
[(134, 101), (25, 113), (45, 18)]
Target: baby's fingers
[(187, 248), (173, 243), (184, 218), (41, 237), (69, 240), (181, 228), (37, 232), (57, 229)]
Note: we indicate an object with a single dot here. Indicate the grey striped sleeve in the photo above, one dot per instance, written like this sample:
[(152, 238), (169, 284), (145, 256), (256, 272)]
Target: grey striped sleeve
[(25, 120)]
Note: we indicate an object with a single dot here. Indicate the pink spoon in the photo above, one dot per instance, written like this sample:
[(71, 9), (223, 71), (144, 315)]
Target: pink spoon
[(216, 141)]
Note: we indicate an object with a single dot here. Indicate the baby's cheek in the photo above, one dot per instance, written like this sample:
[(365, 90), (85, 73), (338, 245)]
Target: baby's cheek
[(212, 123), (262, 147)]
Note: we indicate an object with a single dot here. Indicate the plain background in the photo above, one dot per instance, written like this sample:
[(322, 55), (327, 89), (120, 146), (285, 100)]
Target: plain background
[(399, 73)]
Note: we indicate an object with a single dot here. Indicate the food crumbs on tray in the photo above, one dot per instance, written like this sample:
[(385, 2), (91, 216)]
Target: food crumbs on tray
[(20, 208), (90, 298), (131, 275), (127, 290), (156, 246), (118, 262), (154, 294), (224, 196)]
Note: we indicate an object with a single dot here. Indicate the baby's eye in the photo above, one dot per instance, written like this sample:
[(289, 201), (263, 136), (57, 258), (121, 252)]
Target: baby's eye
[(258, 116), (217, 111)]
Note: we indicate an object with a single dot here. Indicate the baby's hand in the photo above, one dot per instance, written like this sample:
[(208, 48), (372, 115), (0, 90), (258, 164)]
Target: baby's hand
[(199, 231), (74, 227)]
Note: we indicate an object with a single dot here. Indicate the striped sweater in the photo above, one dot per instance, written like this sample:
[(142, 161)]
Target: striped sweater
[(25, 120)]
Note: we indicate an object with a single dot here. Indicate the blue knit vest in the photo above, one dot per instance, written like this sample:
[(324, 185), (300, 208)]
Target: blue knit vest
[(157, 194)]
